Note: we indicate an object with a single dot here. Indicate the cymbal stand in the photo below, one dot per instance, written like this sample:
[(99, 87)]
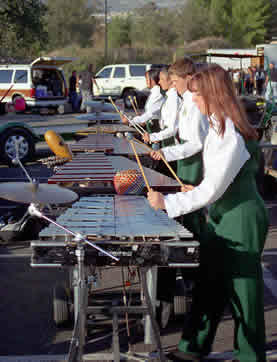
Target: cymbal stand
[(79, 334), (16, 161)]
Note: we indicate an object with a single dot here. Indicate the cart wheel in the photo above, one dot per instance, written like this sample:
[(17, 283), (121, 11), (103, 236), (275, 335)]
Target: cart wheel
[(60, 305)]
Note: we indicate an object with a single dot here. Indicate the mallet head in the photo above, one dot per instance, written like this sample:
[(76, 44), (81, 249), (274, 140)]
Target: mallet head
[(155, 146), (129, 136)]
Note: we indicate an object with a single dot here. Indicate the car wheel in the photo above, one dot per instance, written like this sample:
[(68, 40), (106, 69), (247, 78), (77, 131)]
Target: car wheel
[(126, 99), (8, 141)]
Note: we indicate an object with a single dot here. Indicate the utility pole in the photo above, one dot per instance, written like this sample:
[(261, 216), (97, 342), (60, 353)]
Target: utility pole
[(106, 32)]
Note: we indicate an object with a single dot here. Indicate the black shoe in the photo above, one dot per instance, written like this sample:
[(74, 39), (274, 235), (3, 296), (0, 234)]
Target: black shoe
[(178, 356), (166, 312)]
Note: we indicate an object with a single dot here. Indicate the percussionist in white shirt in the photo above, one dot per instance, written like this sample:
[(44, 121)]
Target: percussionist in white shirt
[(168, 122), (233, 238), (152, 108), (192, 130)]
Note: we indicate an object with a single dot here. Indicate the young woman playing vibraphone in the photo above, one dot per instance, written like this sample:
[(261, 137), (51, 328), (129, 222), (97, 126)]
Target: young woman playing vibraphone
[(152, 108), (190, 136), (168, 121), (232, 243), (192, 130)]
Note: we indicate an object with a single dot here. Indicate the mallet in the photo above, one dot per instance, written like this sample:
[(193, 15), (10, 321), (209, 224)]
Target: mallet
[(133, 105), (130, 139), (156, 148), (141, 132)]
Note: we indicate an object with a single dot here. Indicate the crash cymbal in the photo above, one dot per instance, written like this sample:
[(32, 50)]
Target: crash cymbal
[(26, 193)]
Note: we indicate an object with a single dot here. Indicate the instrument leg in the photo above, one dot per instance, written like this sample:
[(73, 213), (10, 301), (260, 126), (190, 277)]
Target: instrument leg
[(149, 283), (116, 349), (80, 306)]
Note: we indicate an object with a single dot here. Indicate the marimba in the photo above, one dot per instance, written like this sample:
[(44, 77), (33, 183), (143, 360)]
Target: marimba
[(94, 172), (106, 128), (100, 117), (102, 142)]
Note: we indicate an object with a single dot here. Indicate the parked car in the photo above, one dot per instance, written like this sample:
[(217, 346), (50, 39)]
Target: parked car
[(16, 133), (121, 80), (41, 82)]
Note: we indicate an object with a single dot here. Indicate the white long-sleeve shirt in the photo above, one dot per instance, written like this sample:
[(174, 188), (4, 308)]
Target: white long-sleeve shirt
[(169, 117), (192, 128), (152, 108), (223, 157)]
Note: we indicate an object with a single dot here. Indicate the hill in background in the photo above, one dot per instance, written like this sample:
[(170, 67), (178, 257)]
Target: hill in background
[(128, 5)]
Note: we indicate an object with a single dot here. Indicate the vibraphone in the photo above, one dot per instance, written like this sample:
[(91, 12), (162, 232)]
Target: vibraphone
[(94, 172), (128, 228)]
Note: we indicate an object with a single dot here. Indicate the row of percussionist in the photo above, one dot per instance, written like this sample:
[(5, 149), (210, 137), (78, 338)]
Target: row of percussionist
[(203, 126)]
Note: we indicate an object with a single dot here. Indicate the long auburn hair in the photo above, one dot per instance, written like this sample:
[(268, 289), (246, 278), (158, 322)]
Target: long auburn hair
[(214, 84)]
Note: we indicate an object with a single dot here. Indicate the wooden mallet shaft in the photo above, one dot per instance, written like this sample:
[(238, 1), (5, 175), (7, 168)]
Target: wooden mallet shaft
[(121, 114), (115, 107), (135, 100), (140, 165), (164, 160), (133, 105)]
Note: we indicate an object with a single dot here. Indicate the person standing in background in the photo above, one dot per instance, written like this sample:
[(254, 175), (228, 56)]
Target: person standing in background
[(260, 79), (86, 88), (152, 109), (271, 83), (73, 96)]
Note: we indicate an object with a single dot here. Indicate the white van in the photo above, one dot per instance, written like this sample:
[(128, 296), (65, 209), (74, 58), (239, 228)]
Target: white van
[(41, 83)]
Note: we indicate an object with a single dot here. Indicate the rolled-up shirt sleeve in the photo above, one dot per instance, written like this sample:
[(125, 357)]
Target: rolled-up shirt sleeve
[(221, 165)]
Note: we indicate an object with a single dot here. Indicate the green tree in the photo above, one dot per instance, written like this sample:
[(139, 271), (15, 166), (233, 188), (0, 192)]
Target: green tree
[(119, 32), (249, 21), (243, 23), (220, 17), (22, 27), (70, 22), (154, 27), (271, 25), (193, 20)]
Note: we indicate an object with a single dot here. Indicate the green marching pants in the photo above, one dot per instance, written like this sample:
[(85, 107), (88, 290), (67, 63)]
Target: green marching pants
[(190, 172), (230, 272)]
